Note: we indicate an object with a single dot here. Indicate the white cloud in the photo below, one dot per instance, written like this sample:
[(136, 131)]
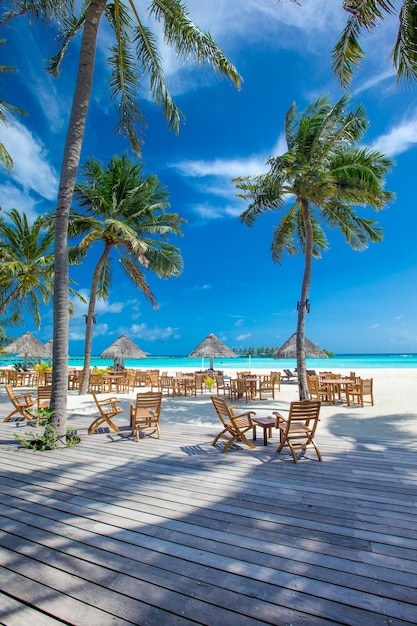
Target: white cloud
[(14, 198), (243, 337), (375, 325), (229, 168), (399, 139), (103, 307), (31, 170), (204, 287), (142, 331)]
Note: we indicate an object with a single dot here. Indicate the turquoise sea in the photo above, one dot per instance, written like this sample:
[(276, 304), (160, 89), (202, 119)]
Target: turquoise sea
[(345, 361)]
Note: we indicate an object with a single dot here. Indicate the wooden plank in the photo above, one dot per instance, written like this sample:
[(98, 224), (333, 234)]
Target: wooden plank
[(240, 536), (15, 613)]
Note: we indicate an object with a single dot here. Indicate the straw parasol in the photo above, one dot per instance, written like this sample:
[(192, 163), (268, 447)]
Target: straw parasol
[(288, 350), (212, 347), (123, 348), (27, 346)]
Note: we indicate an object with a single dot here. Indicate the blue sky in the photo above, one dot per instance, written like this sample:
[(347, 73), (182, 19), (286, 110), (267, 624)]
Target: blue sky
[(360, 302)]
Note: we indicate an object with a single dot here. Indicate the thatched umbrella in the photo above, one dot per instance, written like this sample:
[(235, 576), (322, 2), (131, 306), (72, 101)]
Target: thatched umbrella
[(123, 348), (27, 346), (288, 350), (212, 347)]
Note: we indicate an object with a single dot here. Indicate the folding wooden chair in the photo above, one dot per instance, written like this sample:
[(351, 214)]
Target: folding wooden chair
[(22, 403), (297, 431), (234, 426), (145, 413), (108, 409)]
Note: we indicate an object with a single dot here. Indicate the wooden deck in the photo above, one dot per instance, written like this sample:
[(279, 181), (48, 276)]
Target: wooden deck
[(172, 532)]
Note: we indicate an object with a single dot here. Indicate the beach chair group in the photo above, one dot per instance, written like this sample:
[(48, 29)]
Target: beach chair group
[(295, 431)]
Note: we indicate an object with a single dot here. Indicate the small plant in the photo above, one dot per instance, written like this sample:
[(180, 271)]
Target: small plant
[(209, 382), (42, 367), (49, 439)]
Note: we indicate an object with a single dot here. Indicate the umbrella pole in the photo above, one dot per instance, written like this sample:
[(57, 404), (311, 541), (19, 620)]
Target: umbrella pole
[(211, 363)]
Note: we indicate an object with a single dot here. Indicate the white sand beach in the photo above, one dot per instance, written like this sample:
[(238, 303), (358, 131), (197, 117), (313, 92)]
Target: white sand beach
[(394, 415)]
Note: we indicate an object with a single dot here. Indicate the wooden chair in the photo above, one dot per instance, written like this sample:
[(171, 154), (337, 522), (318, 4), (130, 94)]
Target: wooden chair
[(316, 391), (44, 396), (166, 383), (223, 384), (146, 412), (108, 409), (98, 383), (240, 389), (234, 426), (43, 400), (22, 404), (276, 380), (297, 431), (355, 394), (266, 386)]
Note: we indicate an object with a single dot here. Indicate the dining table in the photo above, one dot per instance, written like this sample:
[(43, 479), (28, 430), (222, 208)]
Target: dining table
[(337, 387)]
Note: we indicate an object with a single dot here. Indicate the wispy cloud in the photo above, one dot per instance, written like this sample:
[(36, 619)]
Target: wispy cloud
[(214, 178), (243, 337), (399, 139), (142, 331), (32, 174)]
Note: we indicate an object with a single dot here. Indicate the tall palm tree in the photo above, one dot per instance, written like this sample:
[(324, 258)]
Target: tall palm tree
[(324, 176), (365, 15), (135, 53), (125, 211), (27, 263)]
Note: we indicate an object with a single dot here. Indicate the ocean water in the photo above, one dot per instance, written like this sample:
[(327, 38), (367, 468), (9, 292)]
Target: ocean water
[(345, 361), (341, 361)]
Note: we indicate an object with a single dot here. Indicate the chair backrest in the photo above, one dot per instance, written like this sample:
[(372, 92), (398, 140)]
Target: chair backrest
[(151, 400), (312, 384), (289, 373), (223, 411), (366, 385), (44, 396), (166, 381), (12, 395), (305, 411)]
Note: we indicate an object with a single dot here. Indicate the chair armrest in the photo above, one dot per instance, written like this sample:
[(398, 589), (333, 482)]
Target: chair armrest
[(26, 396), (279, 417)]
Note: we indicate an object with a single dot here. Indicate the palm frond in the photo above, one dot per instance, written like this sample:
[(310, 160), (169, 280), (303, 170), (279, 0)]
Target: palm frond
[(136, 275), (348, 53), (71, 25), (190, 41), (404, 53), (149, 57), (124, 79)]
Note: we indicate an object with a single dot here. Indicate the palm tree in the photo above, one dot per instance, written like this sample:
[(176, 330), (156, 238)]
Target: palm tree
[(27, 267), (364, 16), (134, 54), (126, 212), (325, 176), (27, 263)]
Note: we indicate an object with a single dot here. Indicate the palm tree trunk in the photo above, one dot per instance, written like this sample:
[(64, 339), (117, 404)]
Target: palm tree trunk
[(70, 163), (90, 321), (303, 303)]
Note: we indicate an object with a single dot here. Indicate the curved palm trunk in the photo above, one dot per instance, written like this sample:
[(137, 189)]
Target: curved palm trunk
[(90, 321), (302, 307), (71, 159)]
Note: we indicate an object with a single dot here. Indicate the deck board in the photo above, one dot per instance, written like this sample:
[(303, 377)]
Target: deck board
[(172, 531)]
